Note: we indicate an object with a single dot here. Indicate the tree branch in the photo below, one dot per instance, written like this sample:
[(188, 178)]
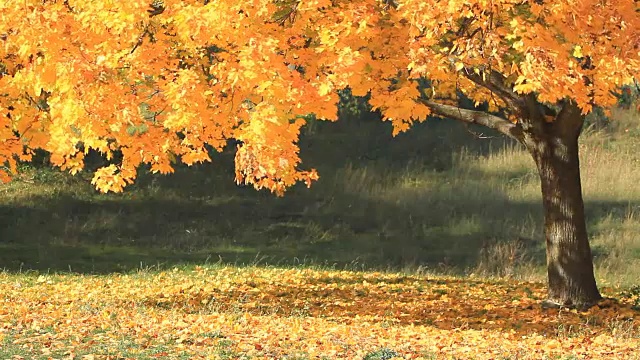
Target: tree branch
[(475, 117), (570, 119), (497, 84)]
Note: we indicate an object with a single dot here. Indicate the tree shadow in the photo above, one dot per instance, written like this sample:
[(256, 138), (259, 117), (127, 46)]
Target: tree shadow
[(198, 215), (346, 298)]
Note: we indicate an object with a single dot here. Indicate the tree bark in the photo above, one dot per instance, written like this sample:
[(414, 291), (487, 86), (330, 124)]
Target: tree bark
[(551, 136), (554, 147)]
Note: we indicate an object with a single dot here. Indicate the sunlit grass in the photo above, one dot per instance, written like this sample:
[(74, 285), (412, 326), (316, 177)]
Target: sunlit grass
[(435, 198)]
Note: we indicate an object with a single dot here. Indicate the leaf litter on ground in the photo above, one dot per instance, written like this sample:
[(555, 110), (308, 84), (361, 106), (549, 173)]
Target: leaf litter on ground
[(302, 313)]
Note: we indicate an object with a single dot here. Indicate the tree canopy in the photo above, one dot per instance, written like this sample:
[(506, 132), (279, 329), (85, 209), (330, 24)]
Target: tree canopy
[(166, 81)]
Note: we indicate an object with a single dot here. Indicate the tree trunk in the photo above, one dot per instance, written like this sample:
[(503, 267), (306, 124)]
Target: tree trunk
[(554, 147), (550, 133)]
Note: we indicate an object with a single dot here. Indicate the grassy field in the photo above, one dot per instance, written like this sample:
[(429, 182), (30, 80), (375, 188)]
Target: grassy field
[(441, 197)]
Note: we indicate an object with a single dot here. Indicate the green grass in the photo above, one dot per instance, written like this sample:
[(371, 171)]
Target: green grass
[(436, 198)]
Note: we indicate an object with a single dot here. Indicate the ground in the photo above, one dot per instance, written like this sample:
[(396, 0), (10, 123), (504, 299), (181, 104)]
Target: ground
[(224, 312)]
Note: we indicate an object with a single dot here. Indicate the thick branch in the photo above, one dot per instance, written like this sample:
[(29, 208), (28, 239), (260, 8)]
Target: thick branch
[(497, 84), (570, 119), (476, 117)]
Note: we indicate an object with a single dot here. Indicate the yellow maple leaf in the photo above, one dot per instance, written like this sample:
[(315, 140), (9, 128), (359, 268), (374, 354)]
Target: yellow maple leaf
[(577, 52)]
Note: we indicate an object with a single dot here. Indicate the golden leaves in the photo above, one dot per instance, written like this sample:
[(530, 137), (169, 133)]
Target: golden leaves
[(112, 178), (202, 70), (400, 106), (268, 156), (10, 146), (276, 313)]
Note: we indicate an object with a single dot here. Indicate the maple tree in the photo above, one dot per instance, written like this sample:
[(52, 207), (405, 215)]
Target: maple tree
[(167, 81)]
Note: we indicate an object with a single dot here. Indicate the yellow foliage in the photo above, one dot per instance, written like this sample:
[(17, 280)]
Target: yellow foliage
[(79, 73)]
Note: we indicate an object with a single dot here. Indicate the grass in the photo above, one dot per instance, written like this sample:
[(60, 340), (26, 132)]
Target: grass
[(436, 198)]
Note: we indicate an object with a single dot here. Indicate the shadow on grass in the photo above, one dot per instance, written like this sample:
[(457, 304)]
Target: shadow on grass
[(198, 215)]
